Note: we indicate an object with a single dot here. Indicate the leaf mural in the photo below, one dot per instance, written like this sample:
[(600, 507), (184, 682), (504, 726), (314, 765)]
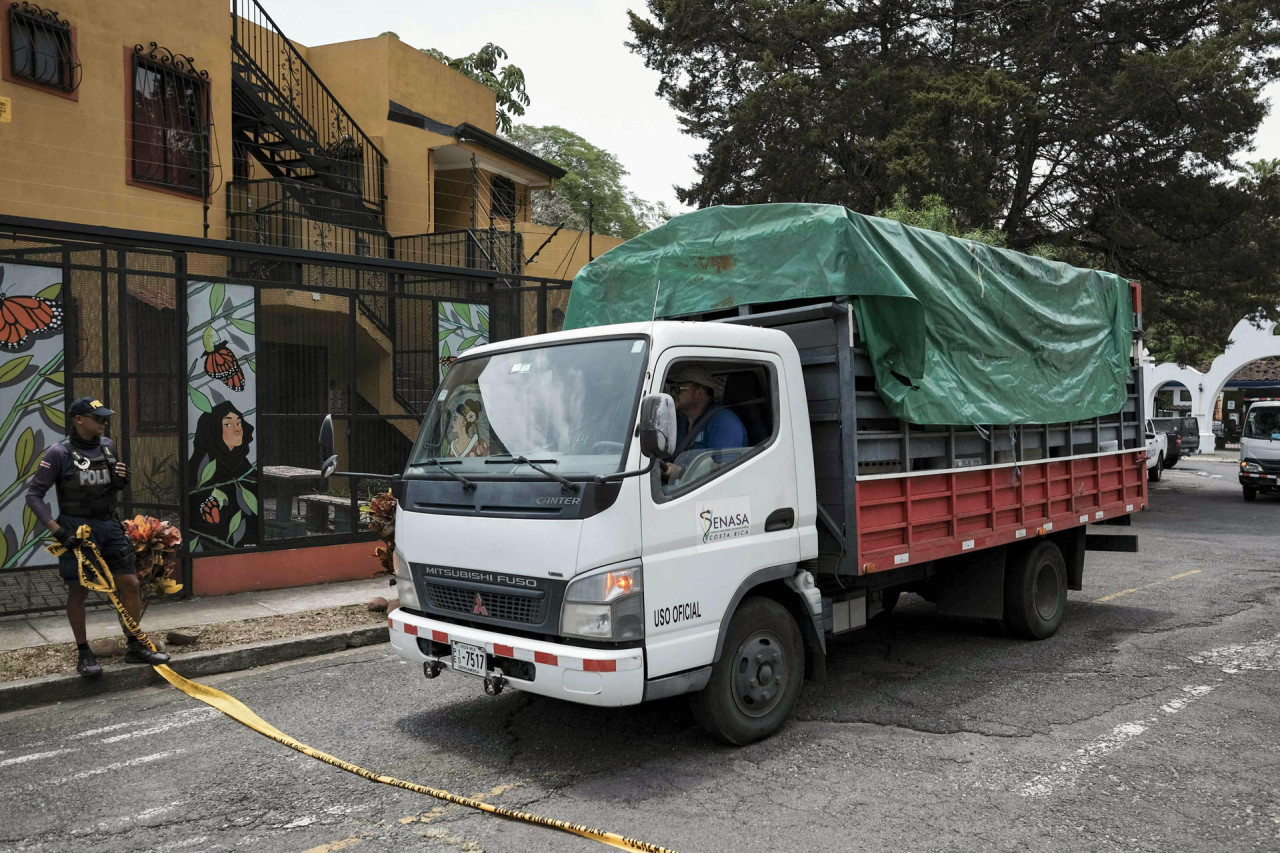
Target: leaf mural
[(26, 446), (237, 521), (445, 352), (12, 369), (56, 416), (4, 550), (206, 473), (464, 312), (53, 291), (246, 326), (199, 400), (29, 521), (484, 321), (248, 499), (220, 496), (216, 298), (57, 378)]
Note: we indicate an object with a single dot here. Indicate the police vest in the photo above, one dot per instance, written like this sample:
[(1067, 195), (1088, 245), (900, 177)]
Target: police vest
[(88, 491)]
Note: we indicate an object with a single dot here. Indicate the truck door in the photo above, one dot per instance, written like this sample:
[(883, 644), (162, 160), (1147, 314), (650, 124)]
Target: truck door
[(723, 512)]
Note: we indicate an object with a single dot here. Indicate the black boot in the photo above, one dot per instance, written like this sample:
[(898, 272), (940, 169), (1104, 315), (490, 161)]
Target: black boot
[(87, 665), (135, 652)]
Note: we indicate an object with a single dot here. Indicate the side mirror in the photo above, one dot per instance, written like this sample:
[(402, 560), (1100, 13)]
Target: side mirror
[(658, 426), (330, 463)]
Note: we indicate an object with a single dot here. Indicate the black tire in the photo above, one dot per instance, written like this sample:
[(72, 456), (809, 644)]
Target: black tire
[(763, 639), (1035, 591), (1250, 493), (1172, 463), (888, 601), (1154, 472)]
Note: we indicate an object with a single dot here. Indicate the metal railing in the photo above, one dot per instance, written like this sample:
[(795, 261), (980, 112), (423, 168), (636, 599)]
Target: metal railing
[(305, 114), (471, 248)]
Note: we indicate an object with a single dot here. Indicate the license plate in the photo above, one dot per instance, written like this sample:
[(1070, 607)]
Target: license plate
[(469, 658)]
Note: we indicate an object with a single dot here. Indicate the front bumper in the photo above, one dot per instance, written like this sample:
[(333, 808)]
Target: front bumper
[(604, 677), (1260, 481)]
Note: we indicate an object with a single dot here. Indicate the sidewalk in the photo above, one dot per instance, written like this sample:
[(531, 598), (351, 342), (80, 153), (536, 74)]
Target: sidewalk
[(44, 629)]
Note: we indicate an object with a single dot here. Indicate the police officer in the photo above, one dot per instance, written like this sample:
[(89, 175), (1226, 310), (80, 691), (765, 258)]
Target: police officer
[(88, 477)]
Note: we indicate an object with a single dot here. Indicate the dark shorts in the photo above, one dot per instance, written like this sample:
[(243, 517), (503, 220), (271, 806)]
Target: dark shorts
[(108, 534)]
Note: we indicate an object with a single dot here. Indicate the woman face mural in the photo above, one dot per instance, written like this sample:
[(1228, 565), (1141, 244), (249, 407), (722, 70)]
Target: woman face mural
[(223, 480), (232, 430)]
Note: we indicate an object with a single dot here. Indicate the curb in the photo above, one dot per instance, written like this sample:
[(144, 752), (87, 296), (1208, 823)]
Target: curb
[(47, 689)]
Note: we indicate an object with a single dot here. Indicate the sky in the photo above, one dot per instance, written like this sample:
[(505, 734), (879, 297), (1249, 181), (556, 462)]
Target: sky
[(578, 71)]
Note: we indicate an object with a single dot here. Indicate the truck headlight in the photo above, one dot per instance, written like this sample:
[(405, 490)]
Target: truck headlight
[(1251, 467), (607, 605), (404, 581)]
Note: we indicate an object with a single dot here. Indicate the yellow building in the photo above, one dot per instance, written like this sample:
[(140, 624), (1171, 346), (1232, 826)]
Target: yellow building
[(174, 118)]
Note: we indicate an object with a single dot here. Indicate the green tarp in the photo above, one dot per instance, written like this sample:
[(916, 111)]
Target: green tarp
[(959, 332)]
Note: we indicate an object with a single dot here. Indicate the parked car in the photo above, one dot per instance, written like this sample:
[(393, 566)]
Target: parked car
[(1187, 430), (1157, 452)]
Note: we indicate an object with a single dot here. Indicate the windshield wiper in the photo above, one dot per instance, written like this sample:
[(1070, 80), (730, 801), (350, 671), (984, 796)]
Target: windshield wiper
[(467, 485), (565, 485)]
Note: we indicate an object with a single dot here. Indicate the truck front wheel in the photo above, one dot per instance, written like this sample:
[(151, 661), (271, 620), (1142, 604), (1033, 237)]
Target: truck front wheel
[(1035, 591), (1154, 472), (756, 682)]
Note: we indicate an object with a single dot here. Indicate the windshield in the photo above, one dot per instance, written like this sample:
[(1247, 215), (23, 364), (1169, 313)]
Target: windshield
[(568, 408), (1263, 422)]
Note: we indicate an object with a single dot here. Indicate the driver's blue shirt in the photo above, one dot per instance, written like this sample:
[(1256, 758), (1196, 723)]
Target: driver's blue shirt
[(722, 430)]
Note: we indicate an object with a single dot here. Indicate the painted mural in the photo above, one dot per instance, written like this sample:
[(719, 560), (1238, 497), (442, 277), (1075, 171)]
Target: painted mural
[(222, 464), (32, 400), (460, 326)]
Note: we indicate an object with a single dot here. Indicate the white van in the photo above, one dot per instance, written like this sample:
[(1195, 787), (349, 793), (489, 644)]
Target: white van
[(1260, 449)]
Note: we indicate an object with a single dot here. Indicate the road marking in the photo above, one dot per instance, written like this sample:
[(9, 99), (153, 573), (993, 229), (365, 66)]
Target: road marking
[(1115, 595), (35, 756), (1258, 655), (100, 731), (109, 768), (195, 715), (334, 846), (1067, 772), (184, 843)]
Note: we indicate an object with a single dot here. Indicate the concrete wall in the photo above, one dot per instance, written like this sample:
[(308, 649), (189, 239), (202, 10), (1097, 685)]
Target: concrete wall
[(567, 252), (68, 159)]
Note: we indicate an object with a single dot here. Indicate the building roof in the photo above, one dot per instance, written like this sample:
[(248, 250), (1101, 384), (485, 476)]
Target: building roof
[(1262, 370), (467, 132)]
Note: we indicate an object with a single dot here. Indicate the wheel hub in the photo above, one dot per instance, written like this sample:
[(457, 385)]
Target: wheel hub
[(1046, 592), (759, 674)]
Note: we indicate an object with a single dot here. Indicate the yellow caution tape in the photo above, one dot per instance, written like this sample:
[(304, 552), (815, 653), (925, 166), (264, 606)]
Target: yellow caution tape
[(95, 574)]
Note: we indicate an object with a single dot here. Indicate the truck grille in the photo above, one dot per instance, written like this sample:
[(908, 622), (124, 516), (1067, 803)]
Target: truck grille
[(497, 605)]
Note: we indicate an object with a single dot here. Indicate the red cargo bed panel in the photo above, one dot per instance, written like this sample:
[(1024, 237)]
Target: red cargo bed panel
[(912, 518)]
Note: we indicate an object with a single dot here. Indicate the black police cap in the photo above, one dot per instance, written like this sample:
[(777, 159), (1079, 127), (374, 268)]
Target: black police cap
[(89, 406)]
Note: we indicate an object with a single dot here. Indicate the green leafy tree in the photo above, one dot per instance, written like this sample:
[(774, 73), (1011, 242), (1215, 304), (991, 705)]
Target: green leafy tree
[(593, 178), (1104, 130), (507, 81)]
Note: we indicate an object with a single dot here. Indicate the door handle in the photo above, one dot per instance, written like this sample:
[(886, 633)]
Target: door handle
[(780, 519)]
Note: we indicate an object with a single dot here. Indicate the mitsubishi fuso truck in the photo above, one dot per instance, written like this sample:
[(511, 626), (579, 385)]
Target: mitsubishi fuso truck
[(761, 426)]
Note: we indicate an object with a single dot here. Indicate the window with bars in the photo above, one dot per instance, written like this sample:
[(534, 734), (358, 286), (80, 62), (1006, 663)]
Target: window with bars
[(503, 205), (170, 122), (42, 48)]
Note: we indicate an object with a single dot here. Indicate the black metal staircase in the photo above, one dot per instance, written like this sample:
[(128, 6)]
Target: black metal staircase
[(292, 125)]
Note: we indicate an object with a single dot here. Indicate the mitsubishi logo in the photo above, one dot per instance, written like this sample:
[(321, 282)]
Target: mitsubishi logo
[(479, 609)]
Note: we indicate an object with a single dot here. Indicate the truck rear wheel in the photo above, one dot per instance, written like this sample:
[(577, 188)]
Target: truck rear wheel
[(1035, 591), (756, 682)]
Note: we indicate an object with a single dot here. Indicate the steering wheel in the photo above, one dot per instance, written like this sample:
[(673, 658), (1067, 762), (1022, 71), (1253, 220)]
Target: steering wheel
[(701, 466)]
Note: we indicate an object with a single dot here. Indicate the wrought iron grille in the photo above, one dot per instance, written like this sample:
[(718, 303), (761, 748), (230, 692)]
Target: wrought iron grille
[(170, 121), (41, 47)]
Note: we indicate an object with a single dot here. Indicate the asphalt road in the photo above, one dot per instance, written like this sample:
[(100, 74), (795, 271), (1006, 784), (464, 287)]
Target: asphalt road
[(1149, 722)]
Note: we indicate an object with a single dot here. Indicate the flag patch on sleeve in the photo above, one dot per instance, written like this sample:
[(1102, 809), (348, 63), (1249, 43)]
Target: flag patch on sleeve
[(44, 463)]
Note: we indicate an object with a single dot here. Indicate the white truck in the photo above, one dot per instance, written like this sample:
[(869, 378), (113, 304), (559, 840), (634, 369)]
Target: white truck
[(1157, 451), (558, 533), (1260, 449)]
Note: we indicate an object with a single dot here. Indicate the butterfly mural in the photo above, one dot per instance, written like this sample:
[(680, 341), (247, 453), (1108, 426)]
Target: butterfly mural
[(26, 319), (221, 364)]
